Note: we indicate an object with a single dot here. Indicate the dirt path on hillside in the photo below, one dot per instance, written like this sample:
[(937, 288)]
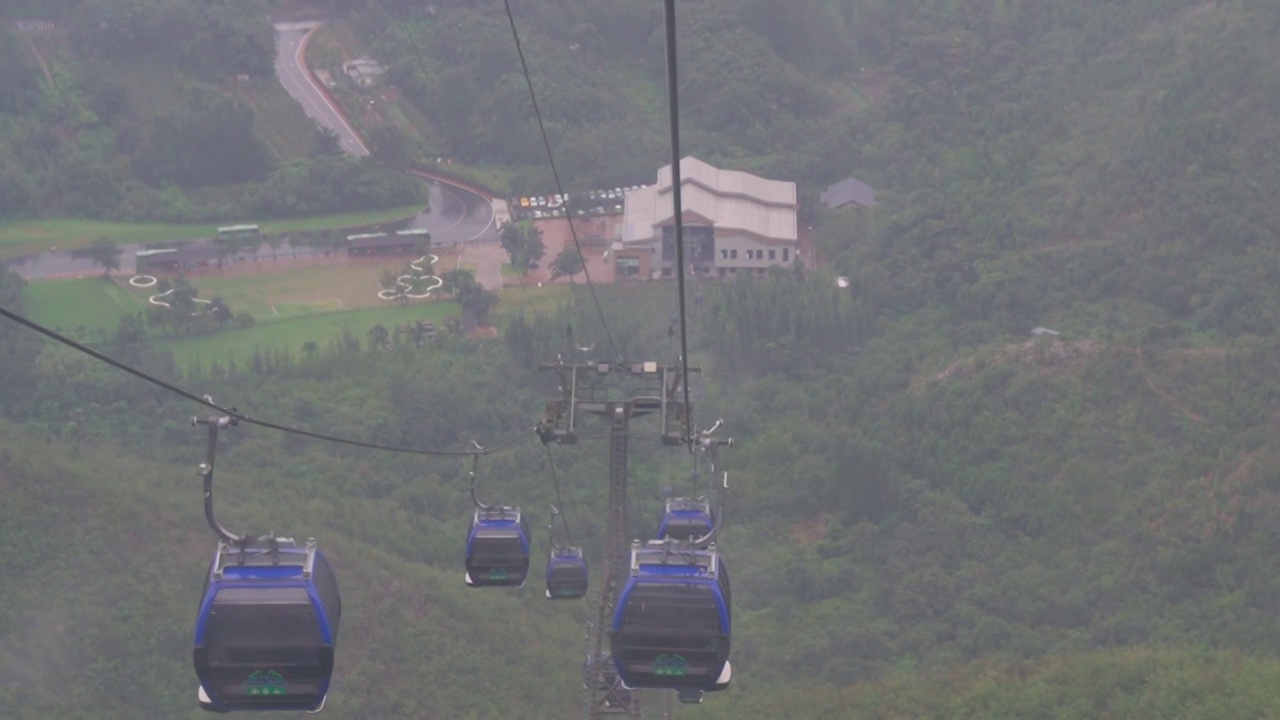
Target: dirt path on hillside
[(1061, 350), (1168, 396), (48, 76)]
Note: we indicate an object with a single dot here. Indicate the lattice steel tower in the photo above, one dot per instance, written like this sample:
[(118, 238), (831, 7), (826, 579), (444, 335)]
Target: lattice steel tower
[(618, 393)]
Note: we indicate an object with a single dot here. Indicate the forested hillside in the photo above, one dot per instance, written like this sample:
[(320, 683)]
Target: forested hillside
[(145, 111), (932, 513)]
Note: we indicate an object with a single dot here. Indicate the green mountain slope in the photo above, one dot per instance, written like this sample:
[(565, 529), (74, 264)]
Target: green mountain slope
[(104, 563), (931, 514), (166, 111)]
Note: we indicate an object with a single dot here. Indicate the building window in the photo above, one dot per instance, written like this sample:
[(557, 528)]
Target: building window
[(724, 254), (786, 254), (733, 254), (773, 255), (629, 266)]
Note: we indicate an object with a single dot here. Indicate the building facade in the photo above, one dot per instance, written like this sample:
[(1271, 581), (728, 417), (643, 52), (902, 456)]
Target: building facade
[(734, 222)]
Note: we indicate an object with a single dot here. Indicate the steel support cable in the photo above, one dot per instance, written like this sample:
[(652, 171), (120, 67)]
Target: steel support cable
[(673, 112), (546, 143), (555, 479), (241, 417)]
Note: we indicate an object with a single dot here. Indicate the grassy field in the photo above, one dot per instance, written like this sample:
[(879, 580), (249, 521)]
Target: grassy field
[(279, 120), (531, 301), (297, 291), (291, 333), (88, 303), (291, 308), (32, 236)]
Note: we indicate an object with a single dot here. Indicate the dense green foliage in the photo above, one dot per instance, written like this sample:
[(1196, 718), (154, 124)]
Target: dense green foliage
[(598, 70), (1104, 174), (932, 514), (211, 39), (1046, 498), (1144, 685), (137, 110)]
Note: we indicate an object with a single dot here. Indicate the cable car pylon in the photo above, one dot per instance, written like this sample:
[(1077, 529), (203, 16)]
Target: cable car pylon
[(647, 388)]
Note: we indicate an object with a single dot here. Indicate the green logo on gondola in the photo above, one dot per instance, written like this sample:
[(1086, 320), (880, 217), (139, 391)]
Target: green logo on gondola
[(264, 683), (497, 574), (670, 665)]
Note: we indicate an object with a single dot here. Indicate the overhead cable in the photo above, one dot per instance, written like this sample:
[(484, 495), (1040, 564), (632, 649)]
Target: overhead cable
[(555, 479), (533, 98), (208, 402), (673, 111)]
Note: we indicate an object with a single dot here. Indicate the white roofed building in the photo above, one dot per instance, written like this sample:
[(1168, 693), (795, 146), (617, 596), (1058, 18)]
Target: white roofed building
[(733, 222)]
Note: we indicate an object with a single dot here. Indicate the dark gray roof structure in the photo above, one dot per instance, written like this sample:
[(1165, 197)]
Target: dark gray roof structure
[(847, 191)]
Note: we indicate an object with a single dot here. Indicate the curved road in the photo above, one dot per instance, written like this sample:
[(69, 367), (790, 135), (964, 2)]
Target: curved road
[(456, 215), (291, 69)]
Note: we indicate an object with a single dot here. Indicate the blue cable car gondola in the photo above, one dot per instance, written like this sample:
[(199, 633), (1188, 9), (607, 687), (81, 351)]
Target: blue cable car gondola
[(687, 519), (498, 548), (267, 626), (671, 624), (567, 575)]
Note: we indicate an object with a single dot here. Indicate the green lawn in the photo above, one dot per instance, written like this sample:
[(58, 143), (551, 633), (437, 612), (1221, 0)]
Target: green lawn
[(292, 333), (291, 308), (292, 330), (89, 303), (30, 236), (297, 291), (530, 300)]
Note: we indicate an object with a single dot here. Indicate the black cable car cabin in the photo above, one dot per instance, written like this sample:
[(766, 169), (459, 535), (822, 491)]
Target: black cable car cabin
[(671, 625), (687, 519), (567, 575), (267, 628), (498, 548)]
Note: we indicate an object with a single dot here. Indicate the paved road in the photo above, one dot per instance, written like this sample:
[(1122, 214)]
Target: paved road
[(457, 215), (293, 75)]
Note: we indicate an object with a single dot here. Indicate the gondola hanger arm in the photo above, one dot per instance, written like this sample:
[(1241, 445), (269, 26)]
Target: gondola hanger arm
[(475, 463), (215, 423)]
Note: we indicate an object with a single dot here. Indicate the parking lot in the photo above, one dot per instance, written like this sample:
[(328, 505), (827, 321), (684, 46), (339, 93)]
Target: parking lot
[(580, 204)]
